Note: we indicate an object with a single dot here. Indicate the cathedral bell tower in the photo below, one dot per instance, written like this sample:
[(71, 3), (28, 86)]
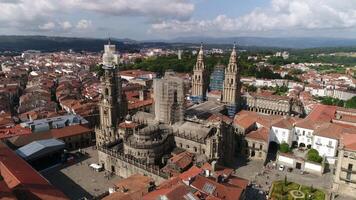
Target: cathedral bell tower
[(108, 107), (232, 85), (199, 79)]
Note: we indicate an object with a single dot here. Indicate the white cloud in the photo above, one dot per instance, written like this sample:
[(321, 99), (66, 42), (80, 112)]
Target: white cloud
[(47, 26), (280, 15), (150, 8), (27, 14), (84, 24), (66, 25)]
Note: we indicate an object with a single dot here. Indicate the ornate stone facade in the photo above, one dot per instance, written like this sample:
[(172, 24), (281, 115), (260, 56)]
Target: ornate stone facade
[(142, 143), (200, 79), (232, 85), (108, 107), (272, 104)]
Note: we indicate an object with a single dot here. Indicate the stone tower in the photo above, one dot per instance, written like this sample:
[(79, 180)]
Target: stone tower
[(110, 58), (199, 79), (232, 85), (108, 108), (169, 95)]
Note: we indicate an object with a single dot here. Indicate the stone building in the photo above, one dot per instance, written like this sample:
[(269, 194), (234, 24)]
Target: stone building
[(110, 57), (232, 85), (268, 103), (345, 174), (169, 96), (108, 106), (257, 144), (200, 79)]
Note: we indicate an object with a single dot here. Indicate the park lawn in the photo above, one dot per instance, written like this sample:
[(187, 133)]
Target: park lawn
[(317, 194), (277, 191)]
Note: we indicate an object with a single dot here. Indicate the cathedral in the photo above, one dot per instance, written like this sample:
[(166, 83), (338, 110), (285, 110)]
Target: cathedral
[(142, 143)]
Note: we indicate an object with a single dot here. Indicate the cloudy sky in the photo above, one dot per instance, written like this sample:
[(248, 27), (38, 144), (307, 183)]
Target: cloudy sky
[(163, 19)]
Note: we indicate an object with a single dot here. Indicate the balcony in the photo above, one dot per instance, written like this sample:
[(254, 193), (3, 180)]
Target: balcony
[(318, 143)]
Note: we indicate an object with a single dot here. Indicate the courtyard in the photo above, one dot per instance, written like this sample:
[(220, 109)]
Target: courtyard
[(262, 177), (79, 180), (290, 190)]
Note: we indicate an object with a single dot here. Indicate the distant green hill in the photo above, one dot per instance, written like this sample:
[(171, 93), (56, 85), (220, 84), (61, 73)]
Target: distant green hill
[(49, 44)]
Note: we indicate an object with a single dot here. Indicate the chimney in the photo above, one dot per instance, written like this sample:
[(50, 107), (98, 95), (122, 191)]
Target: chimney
[(142, 94), (213, 166)]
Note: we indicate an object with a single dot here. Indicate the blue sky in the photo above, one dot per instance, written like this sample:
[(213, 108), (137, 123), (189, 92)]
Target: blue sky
[(164, 19)]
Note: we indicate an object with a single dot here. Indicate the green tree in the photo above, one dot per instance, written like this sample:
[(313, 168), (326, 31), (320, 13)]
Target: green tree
[(284, 148), (313, 155), (351, 103)]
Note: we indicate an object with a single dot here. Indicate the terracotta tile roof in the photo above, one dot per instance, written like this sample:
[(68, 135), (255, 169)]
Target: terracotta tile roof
[(286, 123), (6, 120), (261, 134), (69, 131), (305, 123), (18, 174), (322, 113), (216, 117), (192, 172), (328, 130), (211, 187), (136, 186), (22, 140), (349, 141), (177, 191), (14, 131), (182, 160), (246, 119)]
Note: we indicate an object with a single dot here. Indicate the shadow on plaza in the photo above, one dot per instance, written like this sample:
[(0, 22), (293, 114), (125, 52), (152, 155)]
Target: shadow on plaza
[(240, 162), (67, 185)]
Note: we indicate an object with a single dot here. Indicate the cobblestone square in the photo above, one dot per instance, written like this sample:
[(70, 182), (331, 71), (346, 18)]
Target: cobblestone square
[(79, 180)]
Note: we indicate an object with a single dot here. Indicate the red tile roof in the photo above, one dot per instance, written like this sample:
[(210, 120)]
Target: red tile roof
[(262, 134), (349, 141), (69, 131), (182, 160), (322, 113), (18, 174), (14, 131), (192, 172), (211, 187), (177, 191), (286, 123)]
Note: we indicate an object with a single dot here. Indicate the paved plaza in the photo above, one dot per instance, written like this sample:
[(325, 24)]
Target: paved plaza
[(79, 180), (262, 177)]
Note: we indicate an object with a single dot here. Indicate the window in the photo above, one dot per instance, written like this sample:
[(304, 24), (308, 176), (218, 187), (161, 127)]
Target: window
[(187, 146), (283, 133), (261, 146), (253, 145), (330, 143), (350, 167), (276, 130), (303, 133)]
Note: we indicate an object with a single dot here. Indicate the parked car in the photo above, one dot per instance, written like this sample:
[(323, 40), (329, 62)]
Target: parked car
[(281, 168)]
